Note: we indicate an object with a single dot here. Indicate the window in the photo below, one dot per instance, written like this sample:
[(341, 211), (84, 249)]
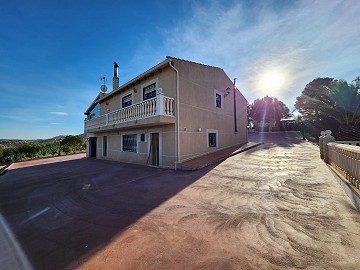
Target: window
[(105, 146), (130, 143), (212, 139), (218, 100), (149, 91), (127, 100), (142, 137), (95, 112)]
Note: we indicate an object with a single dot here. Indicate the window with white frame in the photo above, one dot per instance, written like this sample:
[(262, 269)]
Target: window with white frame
[(212, 138), (95, 112), (218, 98), (149, 91), (126, 101), (129, 143)]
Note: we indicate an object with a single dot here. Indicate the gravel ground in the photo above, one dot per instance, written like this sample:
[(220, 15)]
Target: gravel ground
[(276, 206)]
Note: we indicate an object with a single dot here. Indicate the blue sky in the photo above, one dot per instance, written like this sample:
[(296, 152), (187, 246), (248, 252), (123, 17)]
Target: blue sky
[(52, 53)]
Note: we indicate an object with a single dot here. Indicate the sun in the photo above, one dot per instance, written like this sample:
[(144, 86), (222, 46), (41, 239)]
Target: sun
[(272, 81)]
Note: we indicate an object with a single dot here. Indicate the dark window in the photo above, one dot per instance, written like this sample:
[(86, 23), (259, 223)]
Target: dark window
[(126, 101), (212, 139), (149, 91), (95, 112), (104, 146), (218, 100), (142, 137), (130, 143)]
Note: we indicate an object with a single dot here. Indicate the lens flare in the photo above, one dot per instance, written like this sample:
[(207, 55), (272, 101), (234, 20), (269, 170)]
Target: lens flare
[(271, 81)]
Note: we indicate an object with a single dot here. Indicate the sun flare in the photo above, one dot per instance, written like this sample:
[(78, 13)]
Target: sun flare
[(272, 81)]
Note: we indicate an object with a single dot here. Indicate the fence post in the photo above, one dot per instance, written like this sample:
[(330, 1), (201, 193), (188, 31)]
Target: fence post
[(327, 139), (321, 138)]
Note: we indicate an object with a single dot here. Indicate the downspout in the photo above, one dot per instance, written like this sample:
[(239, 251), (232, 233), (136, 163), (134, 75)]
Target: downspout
[(177, 115)]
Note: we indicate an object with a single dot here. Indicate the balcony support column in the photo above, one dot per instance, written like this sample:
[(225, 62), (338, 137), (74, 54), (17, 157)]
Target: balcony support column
[(160, 102)]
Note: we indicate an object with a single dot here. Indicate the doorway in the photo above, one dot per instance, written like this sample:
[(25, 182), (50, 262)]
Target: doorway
[(154, 149), (92, 147)]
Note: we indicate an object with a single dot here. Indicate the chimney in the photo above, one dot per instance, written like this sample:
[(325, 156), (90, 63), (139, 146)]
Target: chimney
[(116, 76)]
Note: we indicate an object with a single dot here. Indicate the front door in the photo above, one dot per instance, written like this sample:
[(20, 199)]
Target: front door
[(154, 149), (92, 147)]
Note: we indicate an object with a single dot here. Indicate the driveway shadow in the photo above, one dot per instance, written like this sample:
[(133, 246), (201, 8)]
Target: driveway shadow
[(67, 211), (276, 139)]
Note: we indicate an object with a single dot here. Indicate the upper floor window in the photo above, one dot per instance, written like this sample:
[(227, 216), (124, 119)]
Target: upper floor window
[(218, 100), (95, 112), (126, 101), (149, 91)]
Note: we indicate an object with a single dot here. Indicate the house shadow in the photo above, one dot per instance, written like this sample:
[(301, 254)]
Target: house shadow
[(63, 213), (276, 139)]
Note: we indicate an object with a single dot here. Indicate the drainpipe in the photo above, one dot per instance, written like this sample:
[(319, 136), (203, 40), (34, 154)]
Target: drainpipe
[(177, 113)]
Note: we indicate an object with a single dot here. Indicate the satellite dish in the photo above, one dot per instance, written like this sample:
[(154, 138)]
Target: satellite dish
[(103, 88)]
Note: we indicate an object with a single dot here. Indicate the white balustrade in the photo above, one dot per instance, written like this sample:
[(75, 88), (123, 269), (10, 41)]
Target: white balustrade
[(346, 160), (159, 105)]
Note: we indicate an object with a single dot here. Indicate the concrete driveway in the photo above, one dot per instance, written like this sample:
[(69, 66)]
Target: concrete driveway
[(273, 207)]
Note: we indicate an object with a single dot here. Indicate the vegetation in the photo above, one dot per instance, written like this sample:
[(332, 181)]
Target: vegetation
[(31, 150), (326, 103), (268, 111)]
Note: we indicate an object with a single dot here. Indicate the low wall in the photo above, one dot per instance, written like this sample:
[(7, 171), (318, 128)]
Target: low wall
[(346, 160)]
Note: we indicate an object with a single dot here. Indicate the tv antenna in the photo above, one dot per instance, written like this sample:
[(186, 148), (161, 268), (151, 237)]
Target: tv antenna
[(103, 87)]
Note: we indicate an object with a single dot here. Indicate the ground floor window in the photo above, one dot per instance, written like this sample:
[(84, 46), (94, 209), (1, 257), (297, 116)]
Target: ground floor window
[(105, 142), (129, 143), (212, 139)]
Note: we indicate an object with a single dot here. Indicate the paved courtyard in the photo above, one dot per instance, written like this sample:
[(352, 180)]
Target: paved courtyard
[(276, 206)]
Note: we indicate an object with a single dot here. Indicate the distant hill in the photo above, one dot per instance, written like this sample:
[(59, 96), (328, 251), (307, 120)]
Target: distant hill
[(16, 142)]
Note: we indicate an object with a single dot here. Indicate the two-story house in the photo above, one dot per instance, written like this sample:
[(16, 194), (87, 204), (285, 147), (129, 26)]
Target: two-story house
[(176, 111)]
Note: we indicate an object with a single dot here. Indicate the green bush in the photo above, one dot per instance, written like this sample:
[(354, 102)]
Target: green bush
[(34, 150), (72, 144), (10, 154)]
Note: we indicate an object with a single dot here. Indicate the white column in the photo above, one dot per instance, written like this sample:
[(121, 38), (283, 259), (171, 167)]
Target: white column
[(160, 102)]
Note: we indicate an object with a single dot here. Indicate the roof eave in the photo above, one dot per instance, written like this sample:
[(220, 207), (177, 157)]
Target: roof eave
[(135, 80)]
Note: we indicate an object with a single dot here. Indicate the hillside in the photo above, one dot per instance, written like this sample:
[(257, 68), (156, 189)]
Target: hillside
[(15, 142)]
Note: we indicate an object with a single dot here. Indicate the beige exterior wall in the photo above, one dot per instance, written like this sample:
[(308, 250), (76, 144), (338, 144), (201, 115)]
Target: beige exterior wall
[(166, 79), (199, 114), (115, 147)]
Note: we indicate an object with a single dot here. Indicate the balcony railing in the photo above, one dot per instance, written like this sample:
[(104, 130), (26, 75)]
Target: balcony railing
[(159, 105)]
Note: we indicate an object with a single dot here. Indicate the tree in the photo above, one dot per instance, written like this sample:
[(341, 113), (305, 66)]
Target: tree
[(72, 144), (330, 104), (267, 112)]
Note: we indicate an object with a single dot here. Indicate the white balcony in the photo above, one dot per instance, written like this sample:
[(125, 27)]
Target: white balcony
[(154, 107)]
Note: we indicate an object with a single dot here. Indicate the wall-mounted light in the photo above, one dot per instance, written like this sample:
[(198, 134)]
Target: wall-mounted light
[(199, 129), (135, 90), (227, 92)]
